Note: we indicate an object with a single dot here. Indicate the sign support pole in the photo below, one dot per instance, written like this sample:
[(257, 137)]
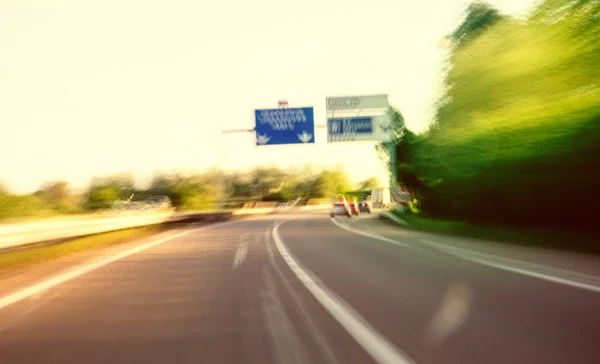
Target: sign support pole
[(391, 148)]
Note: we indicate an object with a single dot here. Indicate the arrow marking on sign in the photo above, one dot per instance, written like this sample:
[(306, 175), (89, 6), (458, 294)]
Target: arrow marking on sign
[(305, 137), (335, 127), (262, 139)]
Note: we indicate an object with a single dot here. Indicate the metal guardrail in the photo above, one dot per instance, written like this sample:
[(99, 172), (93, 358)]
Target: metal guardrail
[(21, 234), (201, 217), (15, 235)]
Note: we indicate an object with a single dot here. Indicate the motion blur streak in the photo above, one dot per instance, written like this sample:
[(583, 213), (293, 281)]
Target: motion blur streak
[(288, 346), (40, 287), (451, 314), (307, 291)]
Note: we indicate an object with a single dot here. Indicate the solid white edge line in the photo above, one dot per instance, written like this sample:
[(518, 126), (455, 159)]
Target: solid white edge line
[(489, 263), (340, 225), (374, 343), (79, 271), (465, 254)]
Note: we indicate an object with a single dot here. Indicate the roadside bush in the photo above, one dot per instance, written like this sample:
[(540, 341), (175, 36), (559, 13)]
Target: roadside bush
[(516, 136)]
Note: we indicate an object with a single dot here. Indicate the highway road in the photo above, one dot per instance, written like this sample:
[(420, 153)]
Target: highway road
[(303, 288)]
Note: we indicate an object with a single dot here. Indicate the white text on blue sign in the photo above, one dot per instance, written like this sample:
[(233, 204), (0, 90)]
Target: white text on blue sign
[(360, 125), (281, 119)]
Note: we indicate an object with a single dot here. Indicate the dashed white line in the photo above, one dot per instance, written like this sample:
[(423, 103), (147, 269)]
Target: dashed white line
[(373, 342), (269, 249), (240, 255)]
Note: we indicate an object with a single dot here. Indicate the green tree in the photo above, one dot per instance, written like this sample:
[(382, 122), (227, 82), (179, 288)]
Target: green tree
[(56, 193), (519, 121), (403, 138), (59, 197), (329, 183), (102, 197), (240, 186), (104, 191), (480, 16), (369, 184)]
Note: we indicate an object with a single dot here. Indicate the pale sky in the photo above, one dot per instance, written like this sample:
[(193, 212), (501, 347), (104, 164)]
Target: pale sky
[(93, 88)]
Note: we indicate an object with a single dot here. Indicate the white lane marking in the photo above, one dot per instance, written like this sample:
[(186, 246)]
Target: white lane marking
[(79, 271), (240, 255), (319, 338), (270, 253), (373, 236), (374, 343), (487, 259)]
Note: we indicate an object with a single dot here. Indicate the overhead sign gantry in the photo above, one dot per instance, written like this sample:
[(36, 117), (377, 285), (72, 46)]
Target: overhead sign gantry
[(285, 126), (358, 118)]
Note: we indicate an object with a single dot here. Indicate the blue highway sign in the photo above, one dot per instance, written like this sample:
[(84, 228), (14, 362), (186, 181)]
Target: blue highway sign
[(285, 126), (349, 129)]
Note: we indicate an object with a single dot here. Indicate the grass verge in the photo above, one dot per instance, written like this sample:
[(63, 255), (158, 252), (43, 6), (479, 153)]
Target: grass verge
[(543, 238), (38, 254)]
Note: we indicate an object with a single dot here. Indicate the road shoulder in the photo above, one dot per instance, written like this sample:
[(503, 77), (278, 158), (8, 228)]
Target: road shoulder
[(576, 262)]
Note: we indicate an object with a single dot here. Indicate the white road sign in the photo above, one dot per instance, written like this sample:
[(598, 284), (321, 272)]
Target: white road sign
[(362, 128), (357, 102)]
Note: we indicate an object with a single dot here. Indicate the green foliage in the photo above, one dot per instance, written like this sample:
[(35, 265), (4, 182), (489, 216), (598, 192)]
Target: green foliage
[(531, 236), (480, 16), (360, 194), (369, 184), (284, 195), (24, 257), (52, 199), (201, 191), (102, 197), (55, 193), (188, 192), (214, 189), (104, 192), (23, 206), (516, 135), (58, 196), (329, 183), (398, 125)]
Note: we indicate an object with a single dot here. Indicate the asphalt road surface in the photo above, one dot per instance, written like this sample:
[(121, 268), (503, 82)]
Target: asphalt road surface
[(303, 288)]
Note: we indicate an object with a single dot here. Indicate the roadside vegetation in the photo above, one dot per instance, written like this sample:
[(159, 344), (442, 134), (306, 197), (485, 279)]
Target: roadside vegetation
[(50, 200), (516, 137), (541, 237), (32, 255), (208, 191)]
